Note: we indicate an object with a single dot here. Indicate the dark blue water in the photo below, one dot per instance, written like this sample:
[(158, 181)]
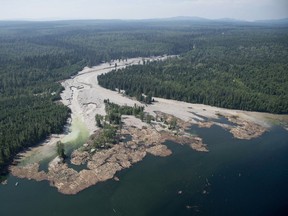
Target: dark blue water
[(235, 178)]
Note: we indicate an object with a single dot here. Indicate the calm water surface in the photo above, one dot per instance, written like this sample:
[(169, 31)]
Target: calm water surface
[(235, 178)]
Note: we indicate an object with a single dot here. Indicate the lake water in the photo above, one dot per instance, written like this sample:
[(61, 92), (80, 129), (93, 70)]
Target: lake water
[(235, 178)]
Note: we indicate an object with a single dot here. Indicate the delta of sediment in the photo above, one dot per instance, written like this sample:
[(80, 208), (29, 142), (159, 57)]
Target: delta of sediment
[(86, 99)]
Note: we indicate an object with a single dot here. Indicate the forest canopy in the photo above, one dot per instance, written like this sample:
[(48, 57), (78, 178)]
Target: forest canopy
[(243, 69), (225, 64), (36, 56)]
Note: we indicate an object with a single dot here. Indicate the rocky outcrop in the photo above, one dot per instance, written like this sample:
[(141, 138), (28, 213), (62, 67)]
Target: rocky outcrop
[(159, 150), (30, 171), (103, 164), (79, 157), (242, 129), (245, 129), (205, 124), (198, 145)]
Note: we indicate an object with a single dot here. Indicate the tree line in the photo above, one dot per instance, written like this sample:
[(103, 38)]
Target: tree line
[(242, 70), (224, 65), (35, 57)]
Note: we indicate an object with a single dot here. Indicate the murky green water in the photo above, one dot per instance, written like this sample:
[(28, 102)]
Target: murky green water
[(76, 137), (235, 178)]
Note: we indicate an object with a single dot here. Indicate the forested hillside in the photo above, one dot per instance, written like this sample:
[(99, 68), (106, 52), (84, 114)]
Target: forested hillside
[(35, 56), (222, 64), (240, 69)]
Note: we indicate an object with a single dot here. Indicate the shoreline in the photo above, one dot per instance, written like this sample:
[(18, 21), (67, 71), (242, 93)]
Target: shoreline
[(86, 98)]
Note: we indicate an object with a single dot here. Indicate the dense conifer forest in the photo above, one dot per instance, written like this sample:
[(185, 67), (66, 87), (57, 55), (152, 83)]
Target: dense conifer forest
[(35, 56), (239, 69), (224, 64)]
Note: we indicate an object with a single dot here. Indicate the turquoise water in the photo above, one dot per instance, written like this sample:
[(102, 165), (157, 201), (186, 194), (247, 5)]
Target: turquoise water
[(72, 140), (235, 178)]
